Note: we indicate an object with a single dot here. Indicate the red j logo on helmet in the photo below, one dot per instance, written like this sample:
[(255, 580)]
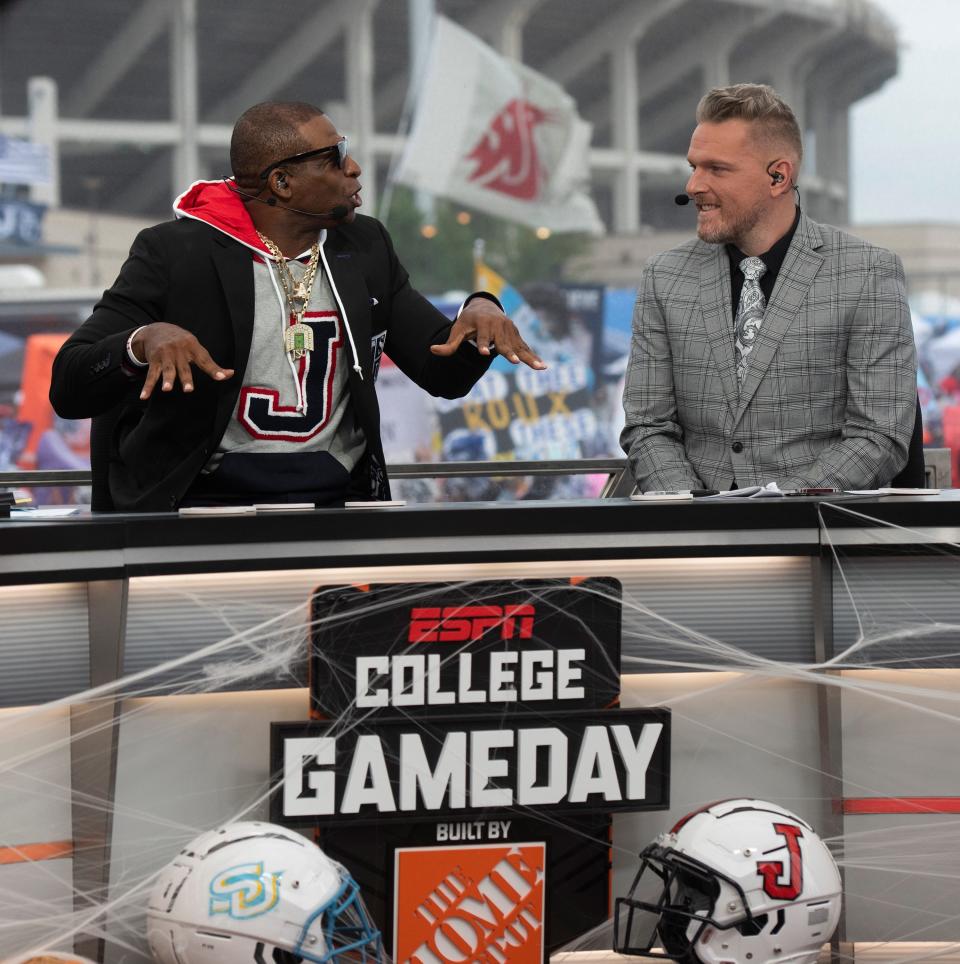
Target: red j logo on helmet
[(772, 870)]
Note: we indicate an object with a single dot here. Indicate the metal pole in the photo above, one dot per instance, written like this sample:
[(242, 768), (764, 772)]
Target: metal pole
[(94, 731), (421, 14), (184, 92), (359, 84), (42, 104), (830, 727)]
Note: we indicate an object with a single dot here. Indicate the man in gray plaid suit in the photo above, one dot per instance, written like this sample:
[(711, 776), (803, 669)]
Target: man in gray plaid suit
[(773, 348)]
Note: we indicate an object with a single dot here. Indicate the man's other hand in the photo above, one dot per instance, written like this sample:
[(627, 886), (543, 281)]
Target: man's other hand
[(169, 351), (483, 321)]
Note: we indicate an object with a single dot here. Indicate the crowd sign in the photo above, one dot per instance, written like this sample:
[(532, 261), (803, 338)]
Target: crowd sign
[(464, 758), (21, 222), (526, 415)]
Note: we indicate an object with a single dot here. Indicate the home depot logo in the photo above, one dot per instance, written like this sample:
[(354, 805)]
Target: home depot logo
[(482, 904), (462, 624)]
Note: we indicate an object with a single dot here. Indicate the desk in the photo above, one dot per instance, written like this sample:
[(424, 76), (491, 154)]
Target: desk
[(733, 611)]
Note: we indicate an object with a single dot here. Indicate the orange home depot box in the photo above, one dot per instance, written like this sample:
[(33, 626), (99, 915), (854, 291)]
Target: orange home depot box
[(482, 903)]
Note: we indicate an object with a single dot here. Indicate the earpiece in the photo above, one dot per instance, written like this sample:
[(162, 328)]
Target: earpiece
[(776, 177), (282, 181)]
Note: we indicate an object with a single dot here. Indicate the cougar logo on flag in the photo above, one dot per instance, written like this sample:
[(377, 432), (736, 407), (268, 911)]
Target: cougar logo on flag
[(483, 903), (506, 155), (496, 135)]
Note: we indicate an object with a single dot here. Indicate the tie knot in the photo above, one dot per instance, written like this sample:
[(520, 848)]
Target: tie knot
[(753, 268)]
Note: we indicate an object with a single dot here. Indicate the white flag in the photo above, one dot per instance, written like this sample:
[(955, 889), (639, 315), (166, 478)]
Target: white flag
[(496, 135)]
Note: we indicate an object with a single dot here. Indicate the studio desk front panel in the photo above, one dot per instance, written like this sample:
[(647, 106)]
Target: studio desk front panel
[(731, 612), (738, 571)]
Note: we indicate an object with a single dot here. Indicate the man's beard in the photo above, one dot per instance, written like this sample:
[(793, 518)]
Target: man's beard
[(724, 232)]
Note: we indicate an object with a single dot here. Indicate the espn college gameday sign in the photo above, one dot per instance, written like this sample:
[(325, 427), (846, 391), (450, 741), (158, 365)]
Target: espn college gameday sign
[(465, 756)]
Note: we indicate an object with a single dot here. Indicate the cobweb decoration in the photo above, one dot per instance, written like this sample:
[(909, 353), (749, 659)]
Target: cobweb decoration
[(728, 644)]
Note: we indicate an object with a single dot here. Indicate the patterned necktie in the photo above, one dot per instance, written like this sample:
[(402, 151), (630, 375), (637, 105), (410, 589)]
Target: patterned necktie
[(749, 312)]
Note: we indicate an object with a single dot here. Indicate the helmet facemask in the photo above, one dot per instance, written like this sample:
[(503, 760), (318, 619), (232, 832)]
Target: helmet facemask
[(345, 929), (671, 903)]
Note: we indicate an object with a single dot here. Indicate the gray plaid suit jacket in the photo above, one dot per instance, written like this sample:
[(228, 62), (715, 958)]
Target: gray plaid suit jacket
[(830, 392)]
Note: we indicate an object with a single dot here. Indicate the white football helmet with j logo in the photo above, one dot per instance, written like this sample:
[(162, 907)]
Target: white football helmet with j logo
[(258, 893), (736, 882)]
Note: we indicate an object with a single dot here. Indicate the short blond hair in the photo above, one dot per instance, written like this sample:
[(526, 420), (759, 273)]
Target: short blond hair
[(758, 103)]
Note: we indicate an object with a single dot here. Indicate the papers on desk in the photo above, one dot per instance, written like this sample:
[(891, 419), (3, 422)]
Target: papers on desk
[(772, 491), (891, 490), (45, 512), (769, 491), (284, 506), (218, 510), (382, 504), (247, 509)]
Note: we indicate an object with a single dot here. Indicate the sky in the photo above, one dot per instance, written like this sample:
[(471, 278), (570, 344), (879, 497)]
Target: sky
[(905, 139)]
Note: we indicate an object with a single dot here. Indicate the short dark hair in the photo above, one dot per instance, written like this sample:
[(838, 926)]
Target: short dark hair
[(266, 133), (758, 103)]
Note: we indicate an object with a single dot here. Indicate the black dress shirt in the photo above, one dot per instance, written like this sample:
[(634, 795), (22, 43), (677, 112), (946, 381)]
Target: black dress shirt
[(773, 259)]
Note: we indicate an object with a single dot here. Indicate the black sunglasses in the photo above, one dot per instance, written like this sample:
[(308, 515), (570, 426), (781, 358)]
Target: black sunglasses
[(340, 148)]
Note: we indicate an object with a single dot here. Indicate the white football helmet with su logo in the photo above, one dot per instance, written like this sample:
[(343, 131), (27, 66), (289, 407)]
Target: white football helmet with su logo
[(258, 893), (736, 882)]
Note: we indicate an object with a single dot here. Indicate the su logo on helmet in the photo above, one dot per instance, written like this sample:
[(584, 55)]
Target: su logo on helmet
[(244, 891)]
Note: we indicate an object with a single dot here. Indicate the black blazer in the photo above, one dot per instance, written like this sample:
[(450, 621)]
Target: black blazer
[(145, 455)]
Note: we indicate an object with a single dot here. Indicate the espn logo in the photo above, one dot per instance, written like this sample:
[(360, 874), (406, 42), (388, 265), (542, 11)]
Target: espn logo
[(462, 624)]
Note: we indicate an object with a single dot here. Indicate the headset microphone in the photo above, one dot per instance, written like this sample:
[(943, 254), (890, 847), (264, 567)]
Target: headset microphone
[(682, 199), (337, 213), (340, 211)]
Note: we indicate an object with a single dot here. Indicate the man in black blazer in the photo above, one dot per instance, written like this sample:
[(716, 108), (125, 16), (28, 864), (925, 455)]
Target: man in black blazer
[(233, 360)]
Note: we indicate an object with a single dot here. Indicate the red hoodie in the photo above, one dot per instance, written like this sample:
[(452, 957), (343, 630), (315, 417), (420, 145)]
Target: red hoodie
[(216, 203)]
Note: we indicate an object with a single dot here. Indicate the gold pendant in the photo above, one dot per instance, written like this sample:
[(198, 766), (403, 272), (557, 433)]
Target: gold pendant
[(298, 340), (299, 299)]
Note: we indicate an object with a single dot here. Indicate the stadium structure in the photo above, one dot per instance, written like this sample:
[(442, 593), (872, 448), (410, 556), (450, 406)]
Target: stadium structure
[(136, 100)]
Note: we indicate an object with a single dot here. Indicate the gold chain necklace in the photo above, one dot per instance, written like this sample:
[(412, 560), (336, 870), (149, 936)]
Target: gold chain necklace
[(298, 337)]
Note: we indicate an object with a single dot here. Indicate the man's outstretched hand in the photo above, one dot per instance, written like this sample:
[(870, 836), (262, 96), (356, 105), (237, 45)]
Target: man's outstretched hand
[(170, 350), (483, 321)]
